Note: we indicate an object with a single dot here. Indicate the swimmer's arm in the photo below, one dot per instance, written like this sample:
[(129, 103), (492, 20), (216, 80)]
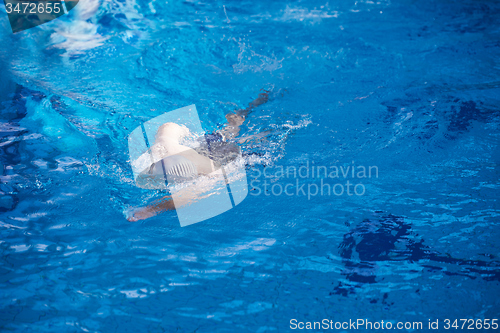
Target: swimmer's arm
[(263, 98), (159, 206), (235, 120), (184, 197)]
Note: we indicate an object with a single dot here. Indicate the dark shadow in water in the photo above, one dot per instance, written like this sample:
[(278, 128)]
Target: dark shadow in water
[(389, 238), (13, 110), (454, 115)]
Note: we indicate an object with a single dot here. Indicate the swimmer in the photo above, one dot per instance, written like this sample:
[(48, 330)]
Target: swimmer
[(178, 162)]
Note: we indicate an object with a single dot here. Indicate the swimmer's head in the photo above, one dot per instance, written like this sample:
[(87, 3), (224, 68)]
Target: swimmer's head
[(171, 131)]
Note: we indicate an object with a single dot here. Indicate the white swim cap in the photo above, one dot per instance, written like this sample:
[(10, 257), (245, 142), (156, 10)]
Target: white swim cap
[(179, 166)]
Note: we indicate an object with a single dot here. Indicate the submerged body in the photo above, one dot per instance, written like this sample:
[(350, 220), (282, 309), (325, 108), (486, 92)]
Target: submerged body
[(170, 160)]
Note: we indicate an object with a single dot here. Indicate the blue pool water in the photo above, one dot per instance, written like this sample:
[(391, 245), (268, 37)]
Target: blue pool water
[(409, 87)]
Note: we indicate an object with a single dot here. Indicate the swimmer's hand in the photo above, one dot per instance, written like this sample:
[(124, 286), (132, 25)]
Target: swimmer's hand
[(263, 98), (140, 214), (162, 205)]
